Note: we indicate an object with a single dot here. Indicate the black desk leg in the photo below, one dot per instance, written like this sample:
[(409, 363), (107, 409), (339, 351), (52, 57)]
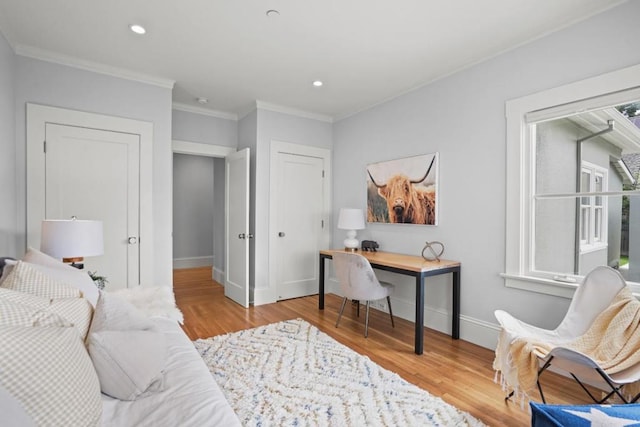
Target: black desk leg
[(455, 327), (321, 285), (419, 314)]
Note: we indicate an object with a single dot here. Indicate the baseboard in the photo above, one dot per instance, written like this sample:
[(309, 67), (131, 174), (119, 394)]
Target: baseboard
[(193, 262), (218, 275), (476, 331)]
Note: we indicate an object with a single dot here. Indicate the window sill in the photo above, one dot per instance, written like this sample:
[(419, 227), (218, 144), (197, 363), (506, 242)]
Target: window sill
[(539, 285), (549, 286)]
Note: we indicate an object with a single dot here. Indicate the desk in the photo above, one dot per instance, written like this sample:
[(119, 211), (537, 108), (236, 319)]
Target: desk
[(414, 266)]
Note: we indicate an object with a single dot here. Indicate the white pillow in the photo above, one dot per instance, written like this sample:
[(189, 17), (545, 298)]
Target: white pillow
[(64, 273), (24, 277), (115, 314), (49, 371), (129, 364)]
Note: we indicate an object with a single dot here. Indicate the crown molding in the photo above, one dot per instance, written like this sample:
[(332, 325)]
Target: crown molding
[(204, 111), (293, 111), (57, 58)]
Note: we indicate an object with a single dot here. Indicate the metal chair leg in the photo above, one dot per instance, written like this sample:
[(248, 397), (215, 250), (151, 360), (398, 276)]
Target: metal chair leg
[(344, 301), (390, 312), (366, 321)]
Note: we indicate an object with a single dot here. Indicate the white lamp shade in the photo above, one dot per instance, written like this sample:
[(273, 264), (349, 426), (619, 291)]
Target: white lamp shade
[(351, 219), (72, 238)]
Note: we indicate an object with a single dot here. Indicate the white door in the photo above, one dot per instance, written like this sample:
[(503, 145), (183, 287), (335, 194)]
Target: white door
[(299, 211), (94, 174), (236, 284)]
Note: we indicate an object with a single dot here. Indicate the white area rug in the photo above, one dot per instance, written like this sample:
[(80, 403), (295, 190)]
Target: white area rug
[(291, 374)]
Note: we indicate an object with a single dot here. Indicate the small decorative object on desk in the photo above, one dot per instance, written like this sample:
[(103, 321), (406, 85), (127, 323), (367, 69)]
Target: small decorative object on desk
[(100, 281), (370, 245), (432, 251)]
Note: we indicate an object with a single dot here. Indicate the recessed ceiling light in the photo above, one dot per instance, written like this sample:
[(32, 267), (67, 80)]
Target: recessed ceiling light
[(272, 13), (317, 83), (202, 100), (138, 29)]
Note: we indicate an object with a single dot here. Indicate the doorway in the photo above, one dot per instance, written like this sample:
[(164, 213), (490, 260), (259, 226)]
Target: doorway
[(211, 239)]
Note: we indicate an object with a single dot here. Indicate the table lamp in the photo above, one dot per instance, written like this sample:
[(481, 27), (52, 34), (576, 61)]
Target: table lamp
[(351, 220), (72, 239)]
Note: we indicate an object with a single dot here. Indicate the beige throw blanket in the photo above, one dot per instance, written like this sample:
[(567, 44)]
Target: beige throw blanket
[(612, 341)]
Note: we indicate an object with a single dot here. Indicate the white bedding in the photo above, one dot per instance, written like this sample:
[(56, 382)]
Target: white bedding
[(190, 398)]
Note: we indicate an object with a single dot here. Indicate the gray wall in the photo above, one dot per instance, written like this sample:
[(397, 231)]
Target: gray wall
[(463, 118), (205, 129), (219, 207), (8, 218), (193, 208), (66, 87)]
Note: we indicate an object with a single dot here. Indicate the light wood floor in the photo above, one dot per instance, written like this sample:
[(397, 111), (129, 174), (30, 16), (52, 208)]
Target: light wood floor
[(455, 370)]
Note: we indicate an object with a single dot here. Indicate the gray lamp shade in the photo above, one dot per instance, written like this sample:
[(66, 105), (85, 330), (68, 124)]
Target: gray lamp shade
[(72, 238)]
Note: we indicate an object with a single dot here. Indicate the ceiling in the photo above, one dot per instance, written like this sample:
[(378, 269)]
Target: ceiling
[(232, 53)]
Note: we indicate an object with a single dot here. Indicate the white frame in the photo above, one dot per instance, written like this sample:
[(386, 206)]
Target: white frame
[(520, 153)]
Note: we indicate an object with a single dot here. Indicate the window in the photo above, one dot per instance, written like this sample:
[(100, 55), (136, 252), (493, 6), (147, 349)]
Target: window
[(568, 185), (593, 209)]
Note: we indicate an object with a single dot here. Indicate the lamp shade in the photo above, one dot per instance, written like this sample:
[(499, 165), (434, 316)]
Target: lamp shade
[(72, 238), (351, 219)]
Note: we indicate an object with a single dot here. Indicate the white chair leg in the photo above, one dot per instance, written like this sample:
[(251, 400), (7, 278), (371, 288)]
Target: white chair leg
[(366, 321), (390, 312), (344, 301)]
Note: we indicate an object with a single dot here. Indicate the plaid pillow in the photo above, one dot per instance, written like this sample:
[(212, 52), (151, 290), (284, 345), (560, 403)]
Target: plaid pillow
[(25, 278), (49, 371)]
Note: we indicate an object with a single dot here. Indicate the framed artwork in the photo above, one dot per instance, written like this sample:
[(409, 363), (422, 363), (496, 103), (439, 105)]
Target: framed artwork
[(403, 190)]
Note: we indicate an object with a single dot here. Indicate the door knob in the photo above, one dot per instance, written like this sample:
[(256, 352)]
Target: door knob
[(281, 234), (132, 240), (242, 236)]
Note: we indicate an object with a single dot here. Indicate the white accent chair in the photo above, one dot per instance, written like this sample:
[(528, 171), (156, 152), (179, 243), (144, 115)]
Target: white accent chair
[(592, 297), (359, 283)]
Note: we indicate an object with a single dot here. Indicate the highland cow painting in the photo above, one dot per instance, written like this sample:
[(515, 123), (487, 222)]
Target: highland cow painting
[(403, 191)]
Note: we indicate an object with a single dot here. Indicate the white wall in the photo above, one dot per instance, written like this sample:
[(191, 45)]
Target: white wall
[(8, 218), (66, 87), (463, 118), (193, 210)]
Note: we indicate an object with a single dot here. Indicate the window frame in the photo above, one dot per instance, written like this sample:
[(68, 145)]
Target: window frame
[(563, 101), (593, 243)]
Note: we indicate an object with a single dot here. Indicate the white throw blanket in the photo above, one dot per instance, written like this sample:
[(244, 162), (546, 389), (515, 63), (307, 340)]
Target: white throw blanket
[(153, 301)]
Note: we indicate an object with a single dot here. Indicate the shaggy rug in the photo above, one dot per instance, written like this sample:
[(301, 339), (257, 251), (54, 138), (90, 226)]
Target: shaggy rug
[(152, 301), (291, 374)]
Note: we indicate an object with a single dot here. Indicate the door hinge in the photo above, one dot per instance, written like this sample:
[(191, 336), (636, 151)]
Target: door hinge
[(323, 173), (322, 223), (44, 146)]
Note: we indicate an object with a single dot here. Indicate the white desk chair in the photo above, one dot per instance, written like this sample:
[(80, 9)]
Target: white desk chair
[(359, 282)]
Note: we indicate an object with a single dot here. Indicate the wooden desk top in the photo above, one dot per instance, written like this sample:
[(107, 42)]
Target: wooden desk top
[(401, 261)]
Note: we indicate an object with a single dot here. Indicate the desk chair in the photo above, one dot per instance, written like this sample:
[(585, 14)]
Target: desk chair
[(359, 282)]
